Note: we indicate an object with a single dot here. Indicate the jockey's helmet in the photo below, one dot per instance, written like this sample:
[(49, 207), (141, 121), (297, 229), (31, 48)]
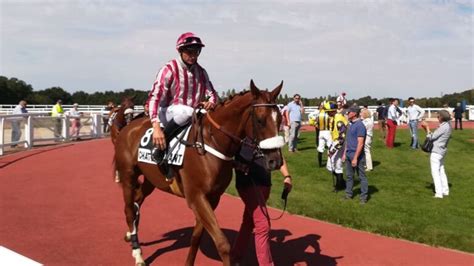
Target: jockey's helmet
[(188, 39), (330, 106)]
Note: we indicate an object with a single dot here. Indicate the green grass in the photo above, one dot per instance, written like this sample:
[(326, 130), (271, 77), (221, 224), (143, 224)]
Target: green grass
[(401, 202)]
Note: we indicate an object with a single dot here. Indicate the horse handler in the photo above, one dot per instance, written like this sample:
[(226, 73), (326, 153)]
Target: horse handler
[(180, 86), (254, 189)]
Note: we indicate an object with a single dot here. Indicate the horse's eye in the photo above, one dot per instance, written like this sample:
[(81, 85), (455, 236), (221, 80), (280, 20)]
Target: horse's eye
[(261, 122)]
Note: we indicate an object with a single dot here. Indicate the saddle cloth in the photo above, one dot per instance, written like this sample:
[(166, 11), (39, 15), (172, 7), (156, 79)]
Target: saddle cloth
[(146, 148)]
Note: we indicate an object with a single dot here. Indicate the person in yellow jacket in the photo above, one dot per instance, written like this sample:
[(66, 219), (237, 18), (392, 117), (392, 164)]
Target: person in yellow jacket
[(56, 113), (335, 164), (324, 123)]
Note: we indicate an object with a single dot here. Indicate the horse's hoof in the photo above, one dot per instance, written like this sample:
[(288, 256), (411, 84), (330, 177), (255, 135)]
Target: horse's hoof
[(140, 264), (127, 238)]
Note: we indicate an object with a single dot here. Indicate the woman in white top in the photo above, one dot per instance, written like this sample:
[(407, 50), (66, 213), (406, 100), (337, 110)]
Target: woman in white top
[(369, 125)]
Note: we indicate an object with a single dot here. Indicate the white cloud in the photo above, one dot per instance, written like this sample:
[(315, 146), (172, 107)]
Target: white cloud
[(380, 48)]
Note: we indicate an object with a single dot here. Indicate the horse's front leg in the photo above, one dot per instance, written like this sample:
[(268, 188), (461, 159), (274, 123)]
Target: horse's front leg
[(195, 241), (204, 212)]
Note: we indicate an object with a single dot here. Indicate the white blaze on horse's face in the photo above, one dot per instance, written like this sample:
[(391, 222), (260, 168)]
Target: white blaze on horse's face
[(275, 116)]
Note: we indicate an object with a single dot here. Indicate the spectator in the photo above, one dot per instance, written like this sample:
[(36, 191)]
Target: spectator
[(293, 116), (284, 123), (105, 116), (393, 116), (369, 126), (324, 124), (56, 113), (75, 120), (440, 138), (458, 111), (355, 156), (415, 114), (172, 99), (254, 187), (381, 110), (334, 165), (342, 98), (16, 122), (448, 109)]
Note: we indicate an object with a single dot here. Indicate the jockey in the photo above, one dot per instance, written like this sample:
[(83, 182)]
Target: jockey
[(334, 165), (324, 124), (180, 86)]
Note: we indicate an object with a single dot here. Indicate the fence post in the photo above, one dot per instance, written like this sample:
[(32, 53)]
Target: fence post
[(29, 127), (65, 131), (96, 125), (2, 122)]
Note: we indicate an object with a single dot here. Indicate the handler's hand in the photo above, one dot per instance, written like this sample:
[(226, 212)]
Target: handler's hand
[(287, 183), (354, 162), (158, 137), (208, 105), (343, 157)]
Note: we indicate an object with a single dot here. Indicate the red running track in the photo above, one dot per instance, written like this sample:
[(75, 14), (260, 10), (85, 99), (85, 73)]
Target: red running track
[(60, 206)]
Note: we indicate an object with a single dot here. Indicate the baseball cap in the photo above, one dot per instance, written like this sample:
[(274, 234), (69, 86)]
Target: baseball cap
[(354, 109)]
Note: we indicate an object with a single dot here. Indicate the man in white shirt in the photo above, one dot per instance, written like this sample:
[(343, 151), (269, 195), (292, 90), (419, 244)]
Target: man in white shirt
[(415, 114), (393, 117), (16, 122)]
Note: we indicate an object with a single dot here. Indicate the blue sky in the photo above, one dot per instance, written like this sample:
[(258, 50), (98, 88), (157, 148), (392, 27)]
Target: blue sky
[(376, 48)]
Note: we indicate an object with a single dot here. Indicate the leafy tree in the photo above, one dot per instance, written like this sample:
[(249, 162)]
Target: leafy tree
[(13, 90)]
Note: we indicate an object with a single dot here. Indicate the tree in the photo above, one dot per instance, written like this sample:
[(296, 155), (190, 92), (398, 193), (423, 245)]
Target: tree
[(13, 90), (53, 94)]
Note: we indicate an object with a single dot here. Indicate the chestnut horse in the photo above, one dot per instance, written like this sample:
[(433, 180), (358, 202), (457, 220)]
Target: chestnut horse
[(248, 119), (120, 116)]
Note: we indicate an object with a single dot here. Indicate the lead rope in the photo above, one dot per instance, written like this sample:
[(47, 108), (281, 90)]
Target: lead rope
[(262, 202)]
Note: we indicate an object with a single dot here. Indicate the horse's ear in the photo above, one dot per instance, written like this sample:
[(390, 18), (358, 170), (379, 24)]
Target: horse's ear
[(254, 90), (276, 91)]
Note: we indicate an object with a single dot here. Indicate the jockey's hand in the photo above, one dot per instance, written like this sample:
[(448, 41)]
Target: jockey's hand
[(287, 183), (208, 105), (158, 137)]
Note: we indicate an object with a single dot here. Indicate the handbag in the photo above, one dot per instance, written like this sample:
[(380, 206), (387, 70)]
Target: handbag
[(427, 145)]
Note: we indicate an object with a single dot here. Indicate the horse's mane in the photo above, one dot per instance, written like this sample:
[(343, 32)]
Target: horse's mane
[(231, 98)]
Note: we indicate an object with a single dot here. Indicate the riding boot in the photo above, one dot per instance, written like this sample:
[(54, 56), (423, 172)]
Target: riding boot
[(320, 159), (170, 131), (334, 181), (340, 183)]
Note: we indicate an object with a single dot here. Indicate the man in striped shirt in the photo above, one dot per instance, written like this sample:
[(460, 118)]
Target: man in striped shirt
[(180, 86)]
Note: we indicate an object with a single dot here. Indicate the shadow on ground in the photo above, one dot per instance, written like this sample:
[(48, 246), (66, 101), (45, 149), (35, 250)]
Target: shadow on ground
[(303, 249)]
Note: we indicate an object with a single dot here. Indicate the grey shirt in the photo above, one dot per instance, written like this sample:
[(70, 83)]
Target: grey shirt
[(440, 138)]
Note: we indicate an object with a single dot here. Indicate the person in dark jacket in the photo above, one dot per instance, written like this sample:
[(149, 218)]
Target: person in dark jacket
[(458, 110)]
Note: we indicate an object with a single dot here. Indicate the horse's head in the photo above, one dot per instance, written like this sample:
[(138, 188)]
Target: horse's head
[(262, 128), (121, 116)]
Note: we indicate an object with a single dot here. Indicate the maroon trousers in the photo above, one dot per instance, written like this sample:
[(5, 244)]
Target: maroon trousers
[(392, 130), (255, 219)]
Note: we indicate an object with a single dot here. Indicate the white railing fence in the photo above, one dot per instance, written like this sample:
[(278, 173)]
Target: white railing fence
[(40, 127)]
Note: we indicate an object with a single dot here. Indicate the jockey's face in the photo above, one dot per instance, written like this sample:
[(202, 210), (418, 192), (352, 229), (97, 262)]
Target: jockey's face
[(190, 55)]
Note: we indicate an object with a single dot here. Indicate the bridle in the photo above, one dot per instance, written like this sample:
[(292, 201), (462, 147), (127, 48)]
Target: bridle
[(250, 148)]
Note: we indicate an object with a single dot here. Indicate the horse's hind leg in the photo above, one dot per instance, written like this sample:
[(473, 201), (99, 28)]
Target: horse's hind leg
[(195, 240), (132, 213), (204, 212)]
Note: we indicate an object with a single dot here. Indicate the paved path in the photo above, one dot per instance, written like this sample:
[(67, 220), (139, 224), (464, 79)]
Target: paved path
[(60, 206)]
